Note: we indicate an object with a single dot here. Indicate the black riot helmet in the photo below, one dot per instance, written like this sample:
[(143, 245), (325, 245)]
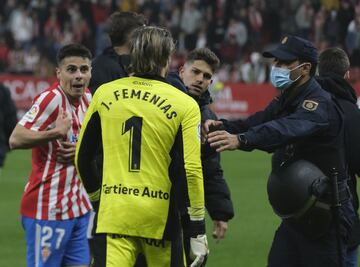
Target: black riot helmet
[(295, 188)]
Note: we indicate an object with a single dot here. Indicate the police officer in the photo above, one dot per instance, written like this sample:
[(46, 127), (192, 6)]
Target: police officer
[(334, 68), (302, 123)]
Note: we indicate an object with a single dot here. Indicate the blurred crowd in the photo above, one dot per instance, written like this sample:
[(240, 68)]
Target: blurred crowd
[(32, 31)]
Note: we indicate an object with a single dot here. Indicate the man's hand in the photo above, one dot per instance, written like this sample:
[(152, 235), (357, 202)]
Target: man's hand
[(222, 140), (198, 250), (66, 152), (220, 228), (63, 122), (209, 126)]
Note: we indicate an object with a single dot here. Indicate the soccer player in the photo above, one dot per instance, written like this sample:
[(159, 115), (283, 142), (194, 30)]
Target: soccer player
[(55, 207), (146, 128)]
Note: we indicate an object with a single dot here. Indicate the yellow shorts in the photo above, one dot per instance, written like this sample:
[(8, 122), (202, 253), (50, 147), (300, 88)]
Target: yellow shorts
[(112, 250)]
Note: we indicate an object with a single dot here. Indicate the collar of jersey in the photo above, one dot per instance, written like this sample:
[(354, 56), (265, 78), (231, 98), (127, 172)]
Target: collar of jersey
[(150, 76)]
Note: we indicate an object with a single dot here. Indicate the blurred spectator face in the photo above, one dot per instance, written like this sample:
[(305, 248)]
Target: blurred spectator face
[(74, 74), (255, 58), (345, 4), (333, 14), (197, 76)]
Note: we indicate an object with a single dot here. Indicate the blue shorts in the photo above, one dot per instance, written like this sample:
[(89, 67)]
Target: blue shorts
[(57, 243)]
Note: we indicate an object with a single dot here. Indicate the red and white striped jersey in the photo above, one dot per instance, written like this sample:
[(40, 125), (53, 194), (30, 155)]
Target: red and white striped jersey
[(54, 190)]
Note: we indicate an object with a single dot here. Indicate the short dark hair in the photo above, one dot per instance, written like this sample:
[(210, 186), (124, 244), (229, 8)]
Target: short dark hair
[(120, 25), (204, 54), (73, 50), (334, 60)]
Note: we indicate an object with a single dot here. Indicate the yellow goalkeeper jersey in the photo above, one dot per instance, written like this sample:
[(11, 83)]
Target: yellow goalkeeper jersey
[(143, 123)]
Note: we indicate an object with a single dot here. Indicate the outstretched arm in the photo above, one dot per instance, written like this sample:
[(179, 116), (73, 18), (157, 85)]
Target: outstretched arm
[(22, 137)]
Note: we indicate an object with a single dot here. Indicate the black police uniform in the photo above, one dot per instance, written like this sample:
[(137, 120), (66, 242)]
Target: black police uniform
[(347, 99), (302, 123)]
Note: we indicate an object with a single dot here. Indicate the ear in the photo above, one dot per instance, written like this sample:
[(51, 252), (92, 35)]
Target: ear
[(307, 67), (181, 70), (57, 71), (347, 75)]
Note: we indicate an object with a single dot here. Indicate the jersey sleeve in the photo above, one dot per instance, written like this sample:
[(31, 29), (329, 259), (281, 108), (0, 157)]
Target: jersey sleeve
[(240, 125), (42, 113), (301, 123), (87, 145), (192, 161)]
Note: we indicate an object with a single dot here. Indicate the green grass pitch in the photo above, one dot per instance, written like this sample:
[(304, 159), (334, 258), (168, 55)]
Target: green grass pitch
[(247, 241)]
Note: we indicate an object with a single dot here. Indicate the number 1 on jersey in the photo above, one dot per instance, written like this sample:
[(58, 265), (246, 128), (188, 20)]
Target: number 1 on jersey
[(134, 125)]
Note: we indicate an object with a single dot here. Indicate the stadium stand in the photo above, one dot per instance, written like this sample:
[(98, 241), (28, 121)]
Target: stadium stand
[(31, 32)]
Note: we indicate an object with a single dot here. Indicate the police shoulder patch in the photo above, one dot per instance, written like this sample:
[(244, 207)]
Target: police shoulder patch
[(284, 40), (310, 105)]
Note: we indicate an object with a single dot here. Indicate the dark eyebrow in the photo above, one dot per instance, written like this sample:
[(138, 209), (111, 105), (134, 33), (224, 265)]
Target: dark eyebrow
[(206, 74), (75, 66)]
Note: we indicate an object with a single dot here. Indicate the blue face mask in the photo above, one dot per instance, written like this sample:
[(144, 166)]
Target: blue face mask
[(280, 77)]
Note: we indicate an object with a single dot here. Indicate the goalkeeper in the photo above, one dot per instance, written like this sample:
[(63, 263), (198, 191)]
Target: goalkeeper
[(146, 127)]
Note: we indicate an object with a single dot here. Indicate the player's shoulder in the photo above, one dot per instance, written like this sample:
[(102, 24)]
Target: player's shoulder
[(50, 95), (87, 95), (175, 93), (154, 85), (181, 98), (49, 100)]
